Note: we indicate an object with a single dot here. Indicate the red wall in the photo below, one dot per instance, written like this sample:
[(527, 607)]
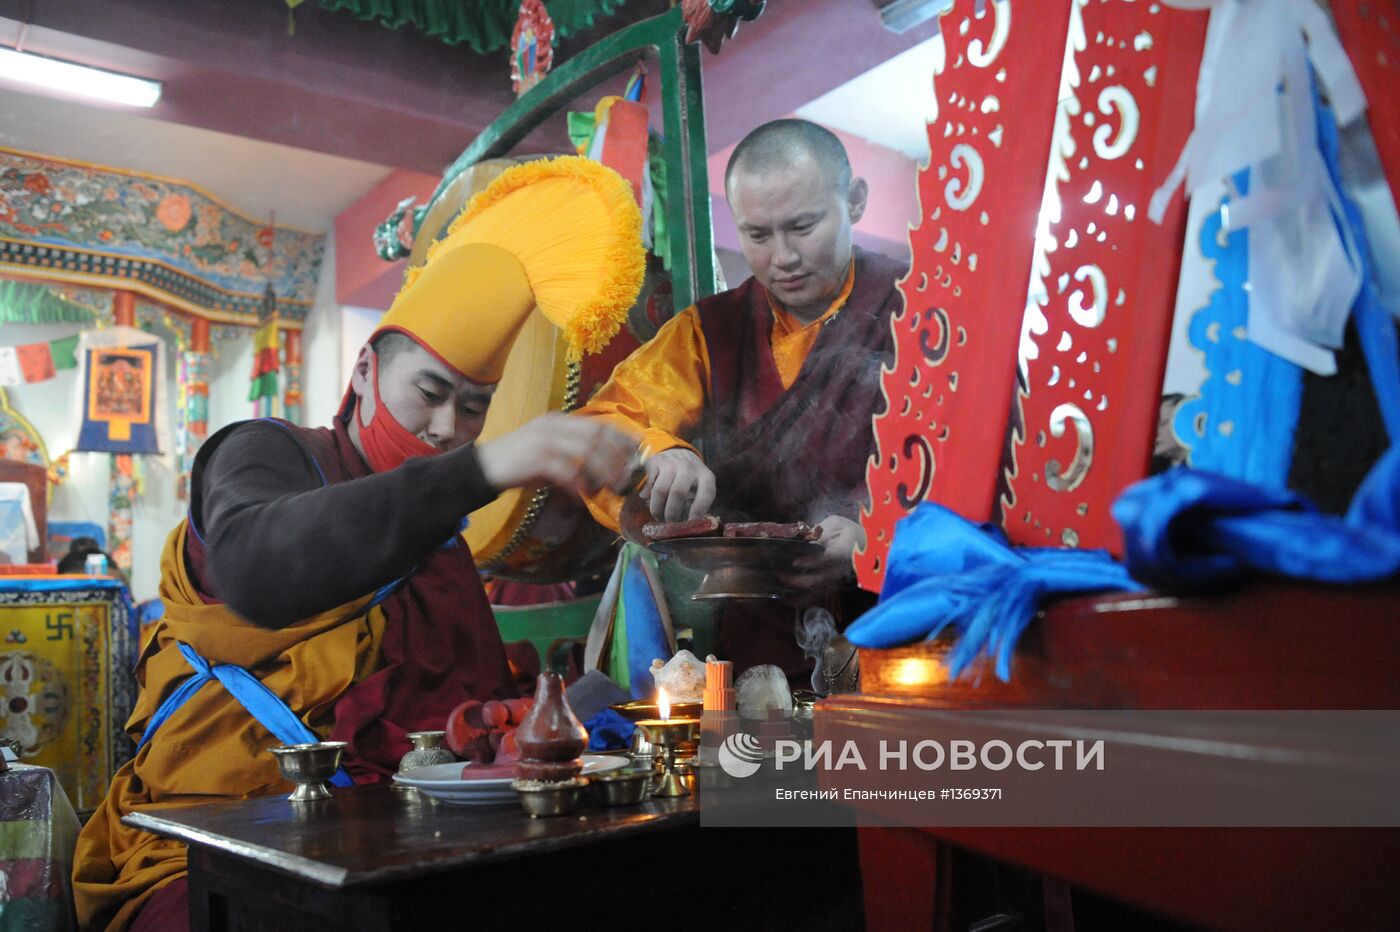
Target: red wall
[(361, 277)]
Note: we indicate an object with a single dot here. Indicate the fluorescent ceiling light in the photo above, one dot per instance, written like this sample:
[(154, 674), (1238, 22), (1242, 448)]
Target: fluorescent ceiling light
[(78, 79)]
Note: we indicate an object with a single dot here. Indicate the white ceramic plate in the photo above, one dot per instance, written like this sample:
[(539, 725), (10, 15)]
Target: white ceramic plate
[(444, 781)]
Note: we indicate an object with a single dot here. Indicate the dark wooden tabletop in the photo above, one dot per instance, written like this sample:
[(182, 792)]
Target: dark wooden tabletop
[(370, 834)]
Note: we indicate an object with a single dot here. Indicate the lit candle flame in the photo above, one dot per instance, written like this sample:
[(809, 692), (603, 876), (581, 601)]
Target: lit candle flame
[(664, 704)]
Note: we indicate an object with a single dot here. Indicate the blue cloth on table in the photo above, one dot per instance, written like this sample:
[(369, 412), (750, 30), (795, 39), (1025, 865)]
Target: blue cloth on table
[(1185, 529), (608, 731), (946, 571)]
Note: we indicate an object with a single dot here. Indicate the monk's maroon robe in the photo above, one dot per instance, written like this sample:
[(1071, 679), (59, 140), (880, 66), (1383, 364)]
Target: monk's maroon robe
[(795, 454), (441, 644)]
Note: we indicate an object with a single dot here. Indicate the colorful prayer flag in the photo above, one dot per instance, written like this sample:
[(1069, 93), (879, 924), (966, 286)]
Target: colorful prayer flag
[(266, 361), (64, 352), (35, 362), (10, 372)]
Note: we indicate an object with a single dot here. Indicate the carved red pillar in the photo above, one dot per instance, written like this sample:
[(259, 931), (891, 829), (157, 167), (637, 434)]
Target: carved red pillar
[(121, 492), (194, 399)]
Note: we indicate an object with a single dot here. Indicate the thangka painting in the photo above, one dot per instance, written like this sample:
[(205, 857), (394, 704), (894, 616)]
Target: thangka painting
[(119, 401)]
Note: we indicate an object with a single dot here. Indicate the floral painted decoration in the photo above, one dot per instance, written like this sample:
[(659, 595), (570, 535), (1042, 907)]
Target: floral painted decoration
[(77, 222)]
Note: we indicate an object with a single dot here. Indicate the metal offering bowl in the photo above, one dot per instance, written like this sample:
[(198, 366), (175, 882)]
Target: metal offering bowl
[(625, 787), (540, 799), (738, 567), (638, 709), (310, 766)]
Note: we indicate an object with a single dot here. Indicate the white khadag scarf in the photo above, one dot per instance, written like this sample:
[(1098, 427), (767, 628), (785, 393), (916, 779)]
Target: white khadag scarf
[(1254, 110)]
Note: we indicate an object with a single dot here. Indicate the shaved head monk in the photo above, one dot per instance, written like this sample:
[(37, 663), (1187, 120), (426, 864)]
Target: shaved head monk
[(756, 403)]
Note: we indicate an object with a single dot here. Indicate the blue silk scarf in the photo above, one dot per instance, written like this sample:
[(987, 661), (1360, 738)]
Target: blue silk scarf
[(945, 571)]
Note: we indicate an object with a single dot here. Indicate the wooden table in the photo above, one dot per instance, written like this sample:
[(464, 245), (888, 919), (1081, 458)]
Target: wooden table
[(377, 857)]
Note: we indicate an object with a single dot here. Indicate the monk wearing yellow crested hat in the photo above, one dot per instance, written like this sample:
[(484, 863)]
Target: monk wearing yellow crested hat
[(320, 588)]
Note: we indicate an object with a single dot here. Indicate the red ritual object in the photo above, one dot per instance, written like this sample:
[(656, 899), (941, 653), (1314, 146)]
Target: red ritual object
[(949, 387), (1105, 276)]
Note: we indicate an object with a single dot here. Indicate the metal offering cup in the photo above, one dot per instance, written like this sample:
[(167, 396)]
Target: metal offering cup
[(427, 750), (541, 800), (626, 787), (310, 767), (670, 735)]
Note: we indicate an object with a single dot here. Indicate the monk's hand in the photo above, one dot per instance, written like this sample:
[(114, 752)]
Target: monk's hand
[(575, 454), (678, 485), (834, 565)]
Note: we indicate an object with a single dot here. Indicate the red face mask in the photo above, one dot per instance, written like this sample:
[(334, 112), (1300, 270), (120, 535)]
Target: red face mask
[(385, 441)]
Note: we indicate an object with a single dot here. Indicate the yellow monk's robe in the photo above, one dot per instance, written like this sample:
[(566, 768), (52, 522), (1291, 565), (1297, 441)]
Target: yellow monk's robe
[(659, 391), (211, 748)]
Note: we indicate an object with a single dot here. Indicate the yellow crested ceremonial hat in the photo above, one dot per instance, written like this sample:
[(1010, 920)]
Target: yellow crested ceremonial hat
[(563, 235)]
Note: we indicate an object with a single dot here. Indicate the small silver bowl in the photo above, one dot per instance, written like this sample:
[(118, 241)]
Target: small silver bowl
[(642, 753), (710, 777), (625, 787), (310, 766), (540, 799)]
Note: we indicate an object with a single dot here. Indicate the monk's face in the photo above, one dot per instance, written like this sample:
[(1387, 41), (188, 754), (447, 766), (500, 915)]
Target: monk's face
[(424, 395), (795, 231)]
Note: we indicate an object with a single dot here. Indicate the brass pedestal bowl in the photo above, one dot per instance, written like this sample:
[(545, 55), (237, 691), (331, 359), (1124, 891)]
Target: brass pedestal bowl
[(639, 709), (310, 767), (738, 567)]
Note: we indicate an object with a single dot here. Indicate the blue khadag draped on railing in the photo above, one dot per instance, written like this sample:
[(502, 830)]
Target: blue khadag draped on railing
[(944, 571), (1186, 529)]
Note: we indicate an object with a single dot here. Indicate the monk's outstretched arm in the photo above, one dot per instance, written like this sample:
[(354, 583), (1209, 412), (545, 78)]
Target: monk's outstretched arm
[(657, 393), (281, 546)]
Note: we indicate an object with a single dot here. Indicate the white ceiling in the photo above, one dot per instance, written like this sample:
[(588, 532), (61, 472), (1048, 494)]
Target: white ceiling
[(307, 189), (887, 105)]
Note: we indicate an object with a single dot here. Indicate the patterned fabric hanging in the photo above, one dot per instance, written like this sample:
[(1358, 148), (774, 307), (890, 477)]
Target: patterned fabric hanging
[(122, 493), (120, 400), (262, 392), (37, 362), (194, 403), (25, 303), (616, 133)]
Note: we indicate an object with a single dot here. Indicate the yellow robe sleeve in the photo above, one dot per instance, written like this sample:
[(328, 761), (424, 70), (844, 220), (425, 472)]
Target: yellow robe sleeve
[(657, 393)]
